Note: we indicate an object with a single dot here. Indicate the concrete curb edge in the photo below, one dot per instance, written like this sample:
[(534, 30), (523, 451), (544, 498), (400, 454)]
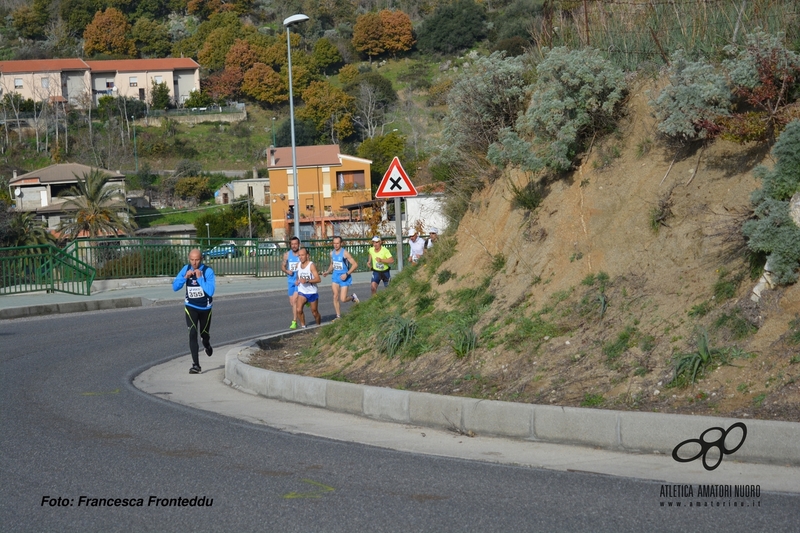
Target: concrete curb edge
[(768, 441)]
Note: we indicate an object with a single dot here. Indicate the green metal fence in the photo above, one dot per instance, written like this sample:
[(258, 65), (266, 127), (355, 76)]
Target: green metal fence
[(73, 269), (152, 256), (43, 268)]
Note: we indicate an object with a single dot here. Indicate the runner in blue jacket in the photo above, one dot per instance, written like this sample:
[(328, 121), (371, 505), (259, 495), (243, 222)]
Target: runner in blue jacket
[(199, 281)]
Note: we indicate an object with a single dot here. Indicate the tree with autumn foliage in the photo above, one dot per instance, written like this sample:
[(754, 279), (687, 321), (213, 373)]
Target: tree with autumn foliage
[(368, 35), (264, 85), (224, 85), (331, 109), (241, 55), (108, 34), (398, 34)]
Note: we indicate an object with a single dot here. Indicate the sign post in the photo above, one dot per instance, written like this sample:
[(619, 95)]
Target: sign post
[(396, 184)]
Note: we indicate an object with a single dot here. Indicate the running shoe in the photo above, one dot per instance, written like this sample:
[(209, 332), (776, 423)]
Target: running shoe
[(294, 325), (209, 349), (195, 369), (303, 326), (355, 298)]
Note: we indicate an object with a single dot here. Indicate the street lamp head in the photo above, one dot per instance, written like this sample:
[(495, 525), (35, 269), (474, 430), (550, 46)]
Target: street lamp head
[(295, 19)]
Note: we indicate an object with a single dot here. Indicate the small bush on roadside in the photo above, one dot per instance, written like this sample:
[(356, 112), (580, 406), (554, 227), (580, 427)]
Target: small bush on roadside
[(772, 230), (697, 96)]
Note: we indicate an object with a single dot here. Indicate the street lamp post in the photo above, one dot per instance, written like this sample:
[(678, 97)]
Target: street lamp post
[(135, 155), (288, 23), (274, 144), (208, 234)]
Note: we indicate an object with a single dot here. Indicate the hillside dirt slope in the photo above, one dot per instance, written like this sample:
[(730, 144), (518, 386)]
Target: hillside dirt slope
[(590, 305)]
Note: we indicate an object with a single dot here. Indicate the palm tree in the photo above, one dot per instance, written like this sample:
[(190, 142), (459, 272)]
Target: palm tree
[(97, 208), (25, 230)]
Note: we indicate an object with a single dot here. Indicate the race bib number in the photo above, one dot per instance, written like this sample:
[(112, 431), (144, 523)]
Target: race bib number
[(195, 292), (294, 265), (338, 265)]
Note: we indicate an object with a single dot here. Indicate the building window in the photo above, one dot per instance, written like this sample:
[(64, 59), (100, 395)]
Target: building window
[(18, 83), (45, 83), (109, 84), (266, 190), (346, 181), (309, 204), (133, 81), (159, 79)]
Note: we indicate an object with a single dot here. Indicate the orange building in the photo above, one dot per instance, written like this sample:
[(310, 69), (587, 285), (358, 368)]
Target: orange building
[(327, 180)]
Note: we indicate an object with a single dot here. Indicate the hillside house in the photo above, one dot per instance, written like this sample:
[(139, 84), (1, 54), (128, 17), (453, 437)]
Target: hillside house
[(79, 82), (38, 191), (327, 180)]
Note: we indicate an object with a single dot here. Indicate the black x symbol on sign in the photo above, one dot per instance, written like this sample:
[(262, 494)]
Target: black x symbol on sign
[(395, 183)]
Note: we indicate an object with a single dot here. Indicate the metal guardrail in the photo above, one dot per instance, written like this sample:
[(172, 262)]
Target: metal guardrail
[(43, 268)]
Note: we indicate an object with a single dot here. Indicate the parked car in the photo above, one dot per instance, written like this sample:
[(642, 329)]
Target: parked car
[(222, 250), (265, 248)]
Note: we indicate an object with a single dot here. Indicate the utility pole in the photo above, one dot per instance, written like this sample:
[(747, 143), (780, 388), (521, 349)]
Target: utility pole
[(135, 155)]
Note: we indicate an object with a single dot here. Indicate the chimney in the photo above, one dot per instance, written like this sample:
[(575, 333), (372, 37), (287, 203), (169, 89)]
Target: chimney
[(272, 156), (15, 175)]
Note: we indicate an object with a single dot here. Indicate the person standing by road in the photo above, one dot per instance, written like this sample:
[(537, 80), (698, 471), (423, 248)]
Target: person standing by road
[(289, 266), (200, 282), (416, 245), (342, 267), (433, 236), (307, 279), (379, 260)]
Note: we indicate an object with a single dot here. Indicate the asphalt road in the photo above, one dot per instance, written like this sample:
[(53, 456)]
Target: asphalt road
[(72, 426)]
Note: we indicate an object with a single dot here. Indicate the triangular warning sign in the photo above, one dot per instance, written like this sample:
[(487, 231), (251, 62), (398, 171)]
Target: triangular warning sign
[(395, 182)]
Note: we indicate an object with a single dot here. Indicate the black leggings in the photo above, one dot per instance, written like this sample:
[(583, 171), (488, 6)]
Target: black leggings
[(198, 320)]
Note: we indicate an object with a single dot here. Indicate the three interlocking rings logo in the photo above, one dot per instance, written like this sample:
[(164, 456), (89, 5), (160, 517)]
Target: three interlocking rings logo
[(707, 446)]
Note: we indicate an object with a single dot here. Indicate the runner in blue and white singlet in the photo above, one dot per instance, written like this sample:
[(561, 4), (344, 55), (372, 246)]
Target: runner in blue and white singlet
[(307, 279), (289, 266), (341, 269)]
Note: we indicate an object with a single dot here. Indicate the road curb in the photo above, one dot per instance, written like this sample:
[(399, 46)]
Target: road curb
[(767, 441), (72, 307)]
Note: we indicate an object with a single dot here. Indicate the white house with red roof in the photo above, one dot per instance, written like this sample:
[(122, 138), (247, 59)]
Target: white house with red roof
[(79, 82)]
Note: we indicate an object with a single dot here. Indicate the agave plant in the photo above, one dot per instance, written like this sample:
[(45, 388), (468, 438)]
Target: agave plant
[(690, 365)]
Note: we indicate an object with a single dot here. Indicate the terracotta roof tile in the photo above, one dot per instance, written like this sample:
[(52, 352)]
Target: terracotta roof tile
[(307, 156), (42, 65), (138, 65), (64, 172)]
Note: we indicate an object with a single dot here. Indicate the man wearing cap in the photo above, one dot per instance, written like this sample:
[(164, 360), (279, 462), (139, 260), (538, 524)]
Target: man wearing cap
[(433, 236), (416, 245), (378, 261)]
